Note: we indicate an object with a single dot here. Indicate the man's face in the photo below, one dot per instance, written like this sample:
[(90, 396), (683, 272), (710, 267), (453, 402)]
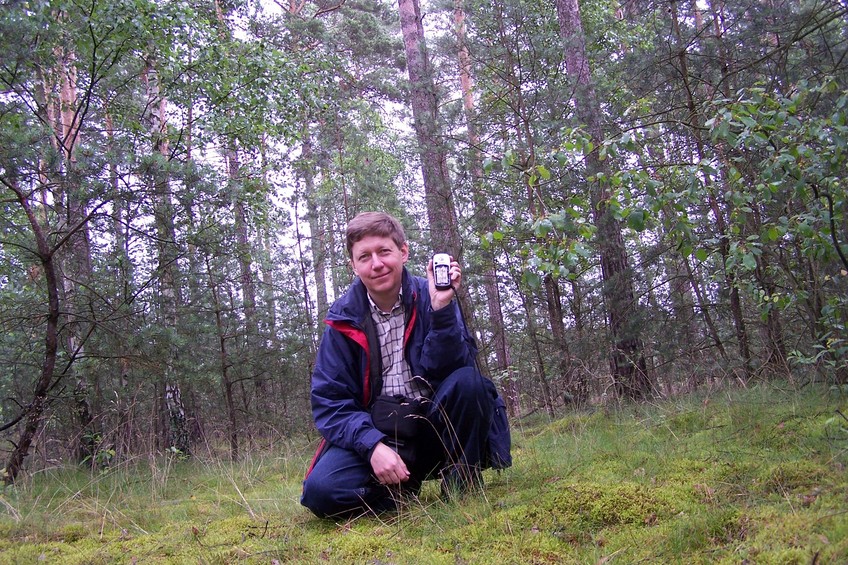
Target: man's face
[(379, 263)]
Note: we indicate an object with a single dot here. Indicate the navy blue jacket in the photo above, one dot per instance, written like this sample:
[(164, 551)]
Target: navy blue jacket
[(435, 345)]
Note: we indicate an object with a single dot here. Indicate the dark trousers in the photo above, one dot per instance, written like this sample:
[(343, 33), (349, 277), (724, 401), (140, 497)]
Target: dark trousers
[(341, 481)]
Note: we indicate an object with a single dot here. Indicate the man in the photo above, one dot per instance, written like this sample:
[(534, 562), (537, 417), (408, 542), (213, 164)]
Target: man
[(394, 340)]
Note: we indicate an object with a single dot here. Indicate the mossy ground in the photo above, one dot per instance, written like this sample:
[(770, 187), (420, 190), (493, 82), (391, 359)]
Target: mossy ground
[(756, 475)]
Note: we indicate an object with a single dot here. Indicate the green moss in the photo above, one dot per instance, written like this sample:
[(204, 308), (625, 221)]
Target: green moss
[(73, 532), (572, 425), (571, 510), (806, 531), (709, 527), (515, 535), (689, 422), (790, 476)]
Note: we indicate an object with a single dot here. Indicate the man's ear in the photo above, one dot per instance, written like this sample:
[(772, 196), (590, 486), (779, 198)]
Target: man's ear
[(404, 250)]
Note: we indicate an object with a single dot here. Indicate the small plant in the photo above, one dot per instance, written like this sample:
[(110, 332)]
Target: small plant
[(102, 456)]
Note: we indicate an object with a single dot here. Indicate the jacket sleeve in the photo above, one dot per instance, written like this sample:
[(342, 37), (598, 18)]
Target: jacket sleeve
[(337, 395), (447, 345)]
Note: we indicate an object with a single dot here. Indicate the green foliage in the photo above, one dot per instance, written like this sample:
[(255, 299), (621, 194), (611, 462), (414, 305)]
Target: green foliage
[(788, 155)]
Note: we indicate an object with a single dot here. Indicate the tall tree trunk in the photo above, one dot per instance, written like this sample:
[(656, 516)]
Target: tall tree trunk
[(174, 428), (316, 226), (244, 249), (696, 126), (438, 195), (74, 263), (486, 221), (123, 266), (226, 381), (304, 277), (34, 411), (267, 271), (244, 253), (627, 362), (64, 114)]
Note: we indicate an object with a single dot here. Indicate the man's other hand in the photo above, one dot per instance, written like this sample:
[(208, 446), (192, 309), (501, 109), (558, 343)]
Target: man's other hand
[(388, 465)]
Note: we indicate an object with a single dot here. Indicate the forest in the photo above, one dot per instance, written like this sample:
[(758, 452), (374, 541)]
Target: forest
[(648, 198)]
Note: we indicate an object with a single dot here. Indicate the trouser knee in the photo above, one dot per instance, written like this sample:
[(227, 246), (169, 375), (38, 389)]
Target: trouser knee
[(465, 387), (318, 496)]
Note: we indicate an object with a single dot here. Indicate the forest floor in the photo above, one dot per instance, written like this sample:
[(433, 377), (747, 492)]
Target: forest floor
[(754, 475)]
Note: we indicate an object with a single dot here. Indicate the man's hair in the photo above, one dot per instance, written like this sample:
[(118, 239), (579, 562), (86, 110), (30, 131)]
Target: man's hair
[(377, 224)]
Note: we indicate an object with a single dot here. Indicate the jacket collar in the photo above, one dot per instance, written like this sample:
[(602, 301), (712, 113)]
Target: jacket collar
[(353, 306)]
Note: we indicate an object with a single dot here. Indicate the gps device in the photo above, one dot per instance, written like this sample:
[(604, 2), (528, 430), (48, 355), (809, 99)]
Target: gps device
[(441, 271)]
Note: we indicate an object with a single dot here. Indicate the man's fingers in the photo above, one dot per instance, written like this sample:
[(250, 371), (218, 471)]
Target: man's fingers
[(394, 477)]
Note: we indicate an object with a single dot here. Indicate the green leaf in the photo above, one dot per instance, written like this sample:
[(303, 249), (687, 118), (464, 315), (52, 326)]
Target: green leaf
[(532, 279), (636, 220), (774, 233)]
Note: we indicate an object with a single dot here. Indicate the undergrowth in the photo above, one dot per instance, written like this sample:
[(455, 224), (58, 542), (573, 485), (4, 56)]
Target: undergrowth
[(755, 475)]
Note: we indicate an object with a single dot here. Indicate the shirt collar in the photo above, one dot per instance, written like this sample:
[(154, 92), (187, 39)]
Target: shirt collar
[(376, 309)]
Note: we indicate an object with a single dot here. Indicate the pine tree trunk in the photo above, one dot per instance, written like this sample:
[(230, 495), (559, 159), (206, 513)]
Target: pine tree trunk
[(627, 362), (438, 196), (486, 221), (226, 381), (75, 268), (316, 226), (174, 418), (244, 253)]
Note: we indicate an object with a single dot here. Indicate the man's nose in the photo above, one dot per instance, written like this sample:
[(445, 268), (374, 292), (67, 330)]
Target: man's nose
[(375, 261)]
